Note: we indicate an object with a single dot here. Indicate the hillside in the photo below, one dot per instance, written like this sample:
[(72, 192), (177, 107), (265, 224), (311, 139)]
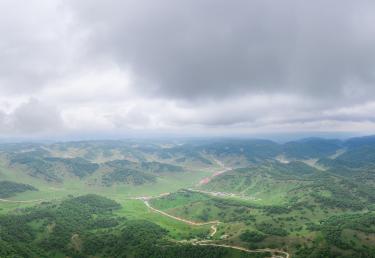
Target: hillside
[(188, 198), (9, 189)]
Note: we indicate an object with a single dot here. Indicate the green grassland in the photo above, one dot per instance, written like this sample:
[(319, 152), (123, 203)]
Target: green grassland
[(90, 224), (288, 227), (135, 209), (71, 185), (325, 209)]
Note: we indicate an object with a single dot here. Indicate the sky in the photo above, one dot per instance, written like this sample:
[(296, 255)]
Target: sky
[(197, 67)]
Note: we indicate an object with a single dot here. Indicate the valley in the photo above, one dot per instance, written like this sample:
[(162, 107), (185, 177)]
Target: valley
[(211, 198), (187, 129)]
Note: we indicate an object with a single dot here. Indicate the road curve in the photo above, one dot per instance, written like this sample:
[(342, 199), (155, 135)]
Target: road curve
[(213, 232), (193, 223), (273, 251)]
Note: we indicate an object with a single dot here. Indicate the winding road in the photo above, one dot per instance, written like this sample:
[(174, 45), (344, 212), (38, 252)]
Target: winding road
[(268, 250), (214, 224), (193, 223), (276, 253), (224, 194)]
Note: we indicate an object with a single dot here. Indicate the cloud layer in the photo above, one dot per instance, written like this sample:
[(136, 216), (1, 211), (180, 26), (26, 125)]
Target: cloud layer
[(209, 66)]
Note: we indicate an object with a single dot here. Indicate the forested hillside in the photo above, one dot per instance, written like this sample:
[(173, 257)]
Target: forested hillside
[(9, 189), (226, 198)]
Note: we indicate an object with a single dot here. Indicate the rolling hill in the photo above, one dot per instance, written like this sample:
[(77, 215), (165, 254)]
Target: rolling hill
[(188, 198)]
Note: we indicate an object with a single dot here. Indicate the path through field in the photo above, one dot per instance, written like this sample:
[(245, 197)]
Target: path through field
[(30, 201), (274, 252), (225, 194), (193, 223), (214, 224)]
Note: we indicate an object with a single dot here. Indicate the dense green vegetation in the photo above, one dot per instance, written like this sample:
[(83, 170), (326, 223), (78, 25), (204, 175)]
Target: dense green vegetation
[(311, 198), (270, 229), (127, 176), (352, 233), (36, 165), (52, 168), (252, 150), (86, 225), (144, 239), (151, 167), (265, 225), (158, 167), (136, 173), (47, 228), (77, 166), (252, 236), (9, 189), (311, 148)]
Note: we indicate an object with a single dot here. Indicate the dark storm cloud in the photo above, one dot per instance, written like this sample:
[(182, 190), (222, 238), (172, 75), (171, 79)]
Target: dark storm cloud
[(216, 48)]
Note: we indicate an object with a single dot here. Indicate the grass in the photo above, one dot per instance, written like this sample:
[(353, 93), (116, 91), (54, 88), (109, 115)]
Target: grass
[(136, 209), (202, 207), (73, 186), (131, 209), (178, 199)]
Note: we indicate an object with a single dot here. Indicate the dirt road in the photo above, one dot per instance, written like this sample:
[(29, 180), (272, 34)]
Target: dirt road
[(224, 194), (30, 201), (214, 225), (274, 252), (206, 180), (193, 223)]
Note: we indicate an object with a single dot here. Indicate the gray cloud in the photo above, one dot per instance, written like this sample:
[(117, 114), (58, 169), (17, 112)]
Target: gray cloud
[(181, 65), (39, 43), (32, 117), (195, 49)]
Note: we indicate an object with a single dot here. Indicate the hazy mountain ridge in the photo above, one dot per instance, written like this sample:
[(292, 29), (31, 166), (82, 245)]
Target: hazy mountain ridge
[(84, 158)]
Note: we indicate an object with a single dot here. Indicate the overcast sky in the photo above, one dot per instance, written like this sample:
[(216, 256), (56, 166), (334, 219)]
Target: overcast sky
[(186, 67)]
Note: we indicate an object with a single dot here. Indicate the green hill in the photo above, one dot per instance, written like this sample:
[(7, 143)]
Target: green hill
[(312, 198), (9, 189)]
